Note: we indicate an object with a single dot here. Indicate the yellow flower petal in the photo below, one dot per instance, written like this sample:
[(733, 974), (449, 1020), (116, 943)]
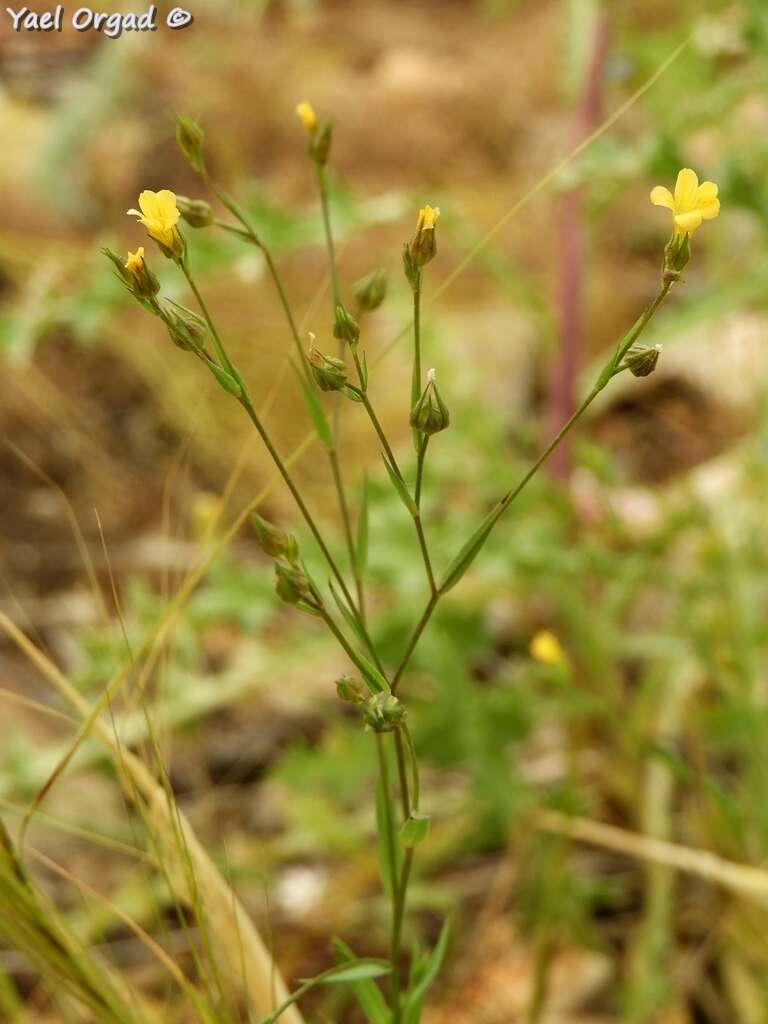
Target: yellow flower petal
[(135, 259), (546, 648), (706, 192), (306, 114), (710, 210), (688, 222), (685, 187), (661, 196)]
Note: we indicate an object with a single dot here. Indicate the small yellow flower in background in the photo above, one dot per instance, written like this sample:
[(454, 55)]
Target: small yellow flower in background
[(427, 218), (159, 215), (135, 261), (306, 114), (691, 204), (546, 648)]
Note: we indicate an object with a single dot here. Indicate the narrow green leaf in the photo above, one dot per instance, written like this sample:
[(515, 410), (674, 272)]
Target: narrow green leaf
[(469, 552), (361, 543), (373, 677), (367, 993), (400, 487), (358, 972), (226, 380), (432, 966), (349, 617), (320, 423)]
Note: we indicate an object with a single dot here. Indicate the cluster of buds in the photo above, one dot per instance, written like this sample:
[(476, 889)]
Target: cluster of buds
[(319, 134), (383, 712), (430, 414), (370, 291), (292, 583), (422, 246)]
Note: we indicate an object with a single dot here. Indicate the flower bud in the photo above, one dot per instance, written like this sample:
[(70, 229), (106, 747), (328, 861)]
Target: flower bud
[(370, 291), (292, 584), (423, 246), (641, 361), (430, 414), (677, 252), (320, 146), (139, 277), (346, 328), (196, 212), (186, 328), (383, 712), (330, 373), (273, 541), (349, 690), (306, 114), (189, 136)]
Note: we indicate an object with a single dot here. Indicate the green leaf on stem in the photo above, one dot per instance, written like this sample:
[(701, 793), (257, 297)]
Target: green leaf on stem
[(373, 677), (226, 380), (424, 976), (399, 484), (366, 992), (469, 552), (349, 616), (319, 421), (414, 830)]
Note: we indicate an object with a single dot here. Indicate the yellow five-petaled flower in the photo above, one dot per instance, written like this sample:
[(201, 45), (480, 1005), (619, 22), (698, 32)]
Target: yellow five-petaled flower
[(306, 114), (692, 202), (159, 215)]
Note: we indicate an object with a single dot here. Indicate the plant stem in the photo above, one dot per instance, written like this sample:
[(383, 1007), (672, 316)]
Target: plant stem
[(416, 373), (611, 368), (248, 233), (362, 392), (392, 859), (420, 469), (322, 187)]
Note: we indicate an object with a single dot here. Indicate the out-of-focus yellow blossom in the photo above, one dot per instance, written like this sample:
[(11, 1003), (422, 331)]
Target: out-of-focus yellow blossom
[(306, 114), (546, 648), (692, 202), (159, 215)]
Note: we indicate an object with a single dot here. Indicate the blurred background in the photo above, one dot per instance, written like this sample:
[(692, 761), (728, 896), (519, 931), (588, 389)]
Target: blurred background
[(607, 655)]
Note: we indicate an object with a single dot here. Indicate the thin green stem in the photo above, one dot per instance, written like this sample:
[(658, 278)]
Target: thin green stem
[(389, 828), (416, 372), (322, 188), (402, 775), (609, 370), (420, 469), (367, 405)]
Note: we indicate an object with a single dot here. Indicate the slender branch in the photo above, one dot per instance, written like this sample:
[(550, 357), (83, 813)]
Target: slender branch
[(389, 829), (322, 187), (420, 469), (611, 368), (416, 372)]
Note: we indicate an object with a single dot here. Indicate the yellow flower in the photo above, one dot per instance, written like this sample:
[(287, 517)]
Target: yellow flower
[(135, 261), (427, 218), (546, 648), (691, 204), (159, 215), (306, 114)]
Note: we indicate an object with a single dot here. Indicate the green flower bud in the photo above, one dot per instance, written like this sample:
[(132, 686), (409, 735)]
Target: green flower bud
[(320, 143), (292, 584), (196, 212), (349, 690), (370, 291), (136, 276), (383, 712), (641, 361), (346, 328), (677, 252), (330, 373), (273, 541), (186, 328), (430, 414), (189, 136)]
